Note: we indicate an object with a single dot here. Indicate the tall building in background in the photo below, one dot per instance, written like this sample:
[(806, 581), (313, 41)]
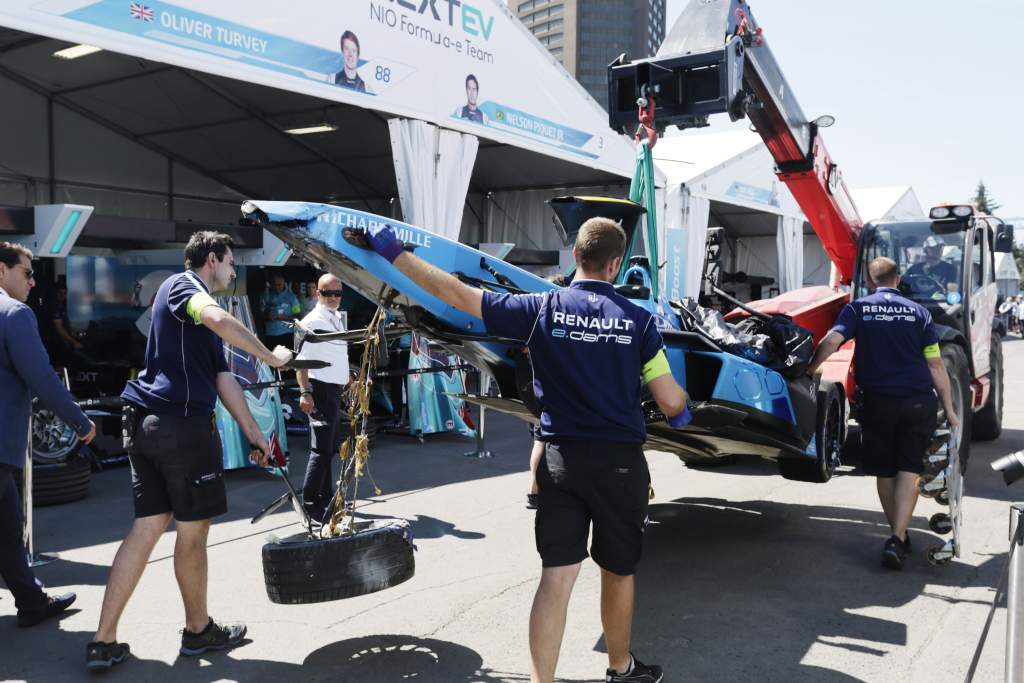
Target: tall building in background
[(585, 35)]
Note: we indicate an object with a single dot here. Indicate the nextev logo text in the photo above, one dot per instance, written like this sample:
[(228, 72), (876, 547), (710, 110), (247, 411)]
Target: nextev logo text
[(462, 14)]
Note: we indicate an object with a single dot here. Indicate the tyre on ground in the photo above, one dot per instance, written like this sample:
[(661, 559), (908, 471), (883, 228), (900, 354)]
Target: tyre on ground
[(955, 360), (988, 422)]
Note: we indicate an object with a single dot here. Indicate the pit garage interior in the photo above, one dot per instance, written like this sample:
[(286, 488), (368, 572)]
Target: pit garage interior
[(160, 150)]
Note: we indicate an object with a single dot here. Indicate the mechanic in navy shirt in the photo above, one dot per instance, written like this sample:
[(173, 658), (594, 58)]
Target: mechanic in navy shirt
[(897, 362), (591, 351), (174, 447)]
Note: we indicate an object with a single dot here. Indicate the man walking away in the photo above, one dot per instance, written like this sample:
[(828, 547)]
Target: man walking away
[(25, 370), (174, 448), (321, 396), (897, 363), (593, 472)]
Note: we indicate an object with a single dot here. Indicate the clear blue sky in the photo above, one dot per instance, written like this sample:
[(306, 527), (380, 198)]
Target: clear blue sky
[(928, 94)]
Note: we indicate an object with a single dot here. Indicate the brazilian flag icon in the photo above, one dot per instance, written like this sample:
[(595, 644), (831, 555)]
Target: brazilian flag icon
[(500, 115)]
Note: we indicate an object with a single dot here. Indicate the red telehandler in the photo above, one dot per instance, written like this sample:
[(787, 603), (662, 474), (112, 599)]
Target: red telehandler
[(717, 60)]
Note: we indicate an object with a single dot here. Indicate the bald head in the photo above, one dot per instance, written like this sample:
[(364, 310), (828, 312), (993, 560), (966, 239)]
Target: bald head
[(331, 284)]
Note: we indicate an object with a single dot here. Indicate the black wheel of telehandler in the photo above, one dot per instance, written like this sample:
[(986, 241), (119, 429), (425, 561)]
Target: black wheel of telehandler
[(988, 422), (828, 439), (955, 360), (300, 570)]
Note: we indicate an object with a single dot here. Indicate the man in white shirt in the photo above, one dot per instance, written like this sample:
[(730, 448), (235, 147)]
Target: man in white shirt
[(321, 395)]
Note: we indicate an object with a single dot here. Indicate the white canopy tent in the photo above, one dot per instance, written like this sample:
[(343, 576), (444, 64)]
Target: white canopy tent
[(728, 180), (192, 104)]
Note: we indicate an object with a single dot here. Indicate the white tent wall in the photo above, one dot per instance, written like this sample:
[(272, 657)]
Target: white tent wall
[(524, 217), (432, 169), (731, 171), (817, 265), (886, 203), (92, 165), (790, 253)]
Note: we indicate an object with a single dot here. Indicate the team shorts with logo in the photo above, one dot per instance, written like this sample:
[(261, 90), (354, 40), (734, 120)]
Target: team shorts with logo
[(177, 467), (592, 483), (896, 432)]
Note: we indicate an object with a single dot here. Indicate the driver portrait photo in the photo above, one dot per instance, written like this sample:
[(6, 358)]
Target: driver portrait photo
[(470, 111), (348, 77)]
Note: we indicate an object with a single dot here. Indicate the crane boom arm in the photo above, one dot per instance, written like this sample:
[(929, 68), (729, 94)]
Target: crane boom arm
[(716, 60)]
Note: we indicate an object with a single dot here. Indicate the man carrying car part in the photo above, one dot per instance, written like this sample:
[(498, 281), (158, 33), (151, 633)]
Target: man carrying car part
[(593, 471), (897, 362), (173, 445), (321, 392)]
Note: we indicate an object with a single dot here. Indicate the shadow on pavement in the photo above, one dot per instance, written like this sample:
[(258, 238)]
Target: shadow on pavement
[(398, 464), (715, 597), (386, 657)]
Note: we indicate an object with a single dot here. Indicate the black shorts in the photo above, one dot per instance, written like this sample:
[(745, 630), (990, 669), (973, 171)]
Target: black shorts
[(895, 433), (177, 467), (599, 482)]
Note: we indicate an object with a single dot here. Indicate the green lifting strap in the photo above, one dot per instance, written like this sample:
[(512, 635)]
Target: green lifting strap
[(641, 191)]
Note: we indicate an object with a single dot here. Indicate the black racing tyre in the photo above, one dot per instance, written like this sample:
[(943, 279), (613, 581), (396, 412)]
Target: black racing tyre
[(828, 439), (61, 483), (988, 422), (53, 440), (955, 360), (298, 570)]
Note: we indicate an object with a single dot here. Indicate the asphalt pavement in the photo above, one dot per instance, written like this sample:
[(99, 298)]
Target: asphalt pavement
[(745, 577)]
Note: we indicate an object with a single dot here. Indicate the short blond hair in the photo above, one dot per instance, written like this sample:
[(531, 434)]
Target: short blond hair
[(883, 271), (599, 242)]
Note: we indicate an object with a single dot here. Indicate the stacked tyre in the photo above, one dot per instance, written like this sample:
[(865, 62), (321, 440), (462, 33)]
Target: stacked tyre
[(57, 483)]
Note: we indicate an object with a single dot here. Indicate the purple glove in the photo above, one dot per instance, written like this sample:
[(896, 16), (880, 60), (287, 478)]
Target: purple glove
[(382, 239), (682, 419)]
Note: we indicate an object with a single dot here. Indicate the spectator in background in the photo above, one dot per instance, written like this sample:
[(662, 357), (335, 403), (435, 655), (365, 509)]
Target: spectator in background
[(308, 300), (279, 306), (64, 342)]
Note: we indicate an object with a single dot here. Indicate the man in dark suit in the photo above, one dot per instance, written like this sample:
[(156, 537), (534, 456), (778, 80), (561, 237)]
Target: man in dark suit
[(25, 371)]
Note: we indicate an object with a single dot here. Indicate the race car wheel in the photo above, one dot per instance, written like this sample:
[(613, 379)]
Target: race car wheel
[(955, 360), (53, 440), (63, 482), (828, 439), (298, 570), (988, 422)]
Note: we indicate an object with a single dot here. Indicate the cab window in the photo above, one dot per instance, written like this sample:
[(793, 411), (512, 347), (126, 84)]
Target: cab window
[(977, 263)]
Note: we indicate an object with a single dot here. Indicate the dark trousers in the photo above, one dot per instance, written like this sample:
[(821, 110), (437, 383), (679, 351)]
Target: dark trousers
[(20, 580), (325, 435)]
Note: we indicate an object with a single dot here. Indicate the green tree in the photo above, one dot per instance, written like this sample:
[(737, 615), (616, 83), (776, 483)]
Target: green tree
[(984, 202)]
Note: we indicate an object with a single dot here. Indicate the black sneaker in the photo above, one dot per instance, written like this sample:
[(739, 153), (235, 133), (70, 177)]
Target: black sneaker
[(638, 673), (906, 544), (53, 607), (214, 637), (101, 656), (531, 501), (894, 552)]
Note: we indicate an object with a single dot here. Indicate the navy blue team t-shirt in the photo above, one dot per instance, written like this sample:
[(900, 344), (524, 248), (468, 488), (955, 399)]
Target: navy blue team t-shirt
[(183, 356), (894, 336), (587, 345)]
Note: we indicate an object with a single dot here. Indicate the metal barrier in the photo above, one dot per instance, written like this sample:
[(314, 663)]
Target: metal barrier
[(34, 560), (484, 382), (1014, 671)]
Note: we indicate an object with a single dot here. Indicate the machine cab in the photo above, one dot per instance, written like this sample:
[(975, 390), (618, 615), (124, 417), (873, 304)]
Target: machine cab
[(947, 264)]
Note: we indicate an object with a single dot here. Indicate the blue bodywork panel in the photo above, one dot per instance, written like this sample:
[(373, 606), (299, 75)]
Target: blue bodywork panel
[(316, 232)]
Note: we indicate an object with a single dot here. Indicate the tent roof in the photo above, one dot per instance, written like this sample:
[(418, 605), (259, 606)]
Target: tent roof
[(232, 131), (1006, 267), (898, 201), (684, 158)]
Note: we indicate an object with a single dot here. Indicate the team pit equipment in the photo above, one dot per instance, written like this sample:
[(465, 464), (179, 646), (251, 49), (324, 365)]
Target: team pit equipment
[(943, 482)]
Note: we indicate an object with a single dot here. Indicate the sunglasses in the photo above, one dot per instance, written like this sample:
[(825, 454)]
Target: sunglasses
[(29, 273), (330, 292)]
